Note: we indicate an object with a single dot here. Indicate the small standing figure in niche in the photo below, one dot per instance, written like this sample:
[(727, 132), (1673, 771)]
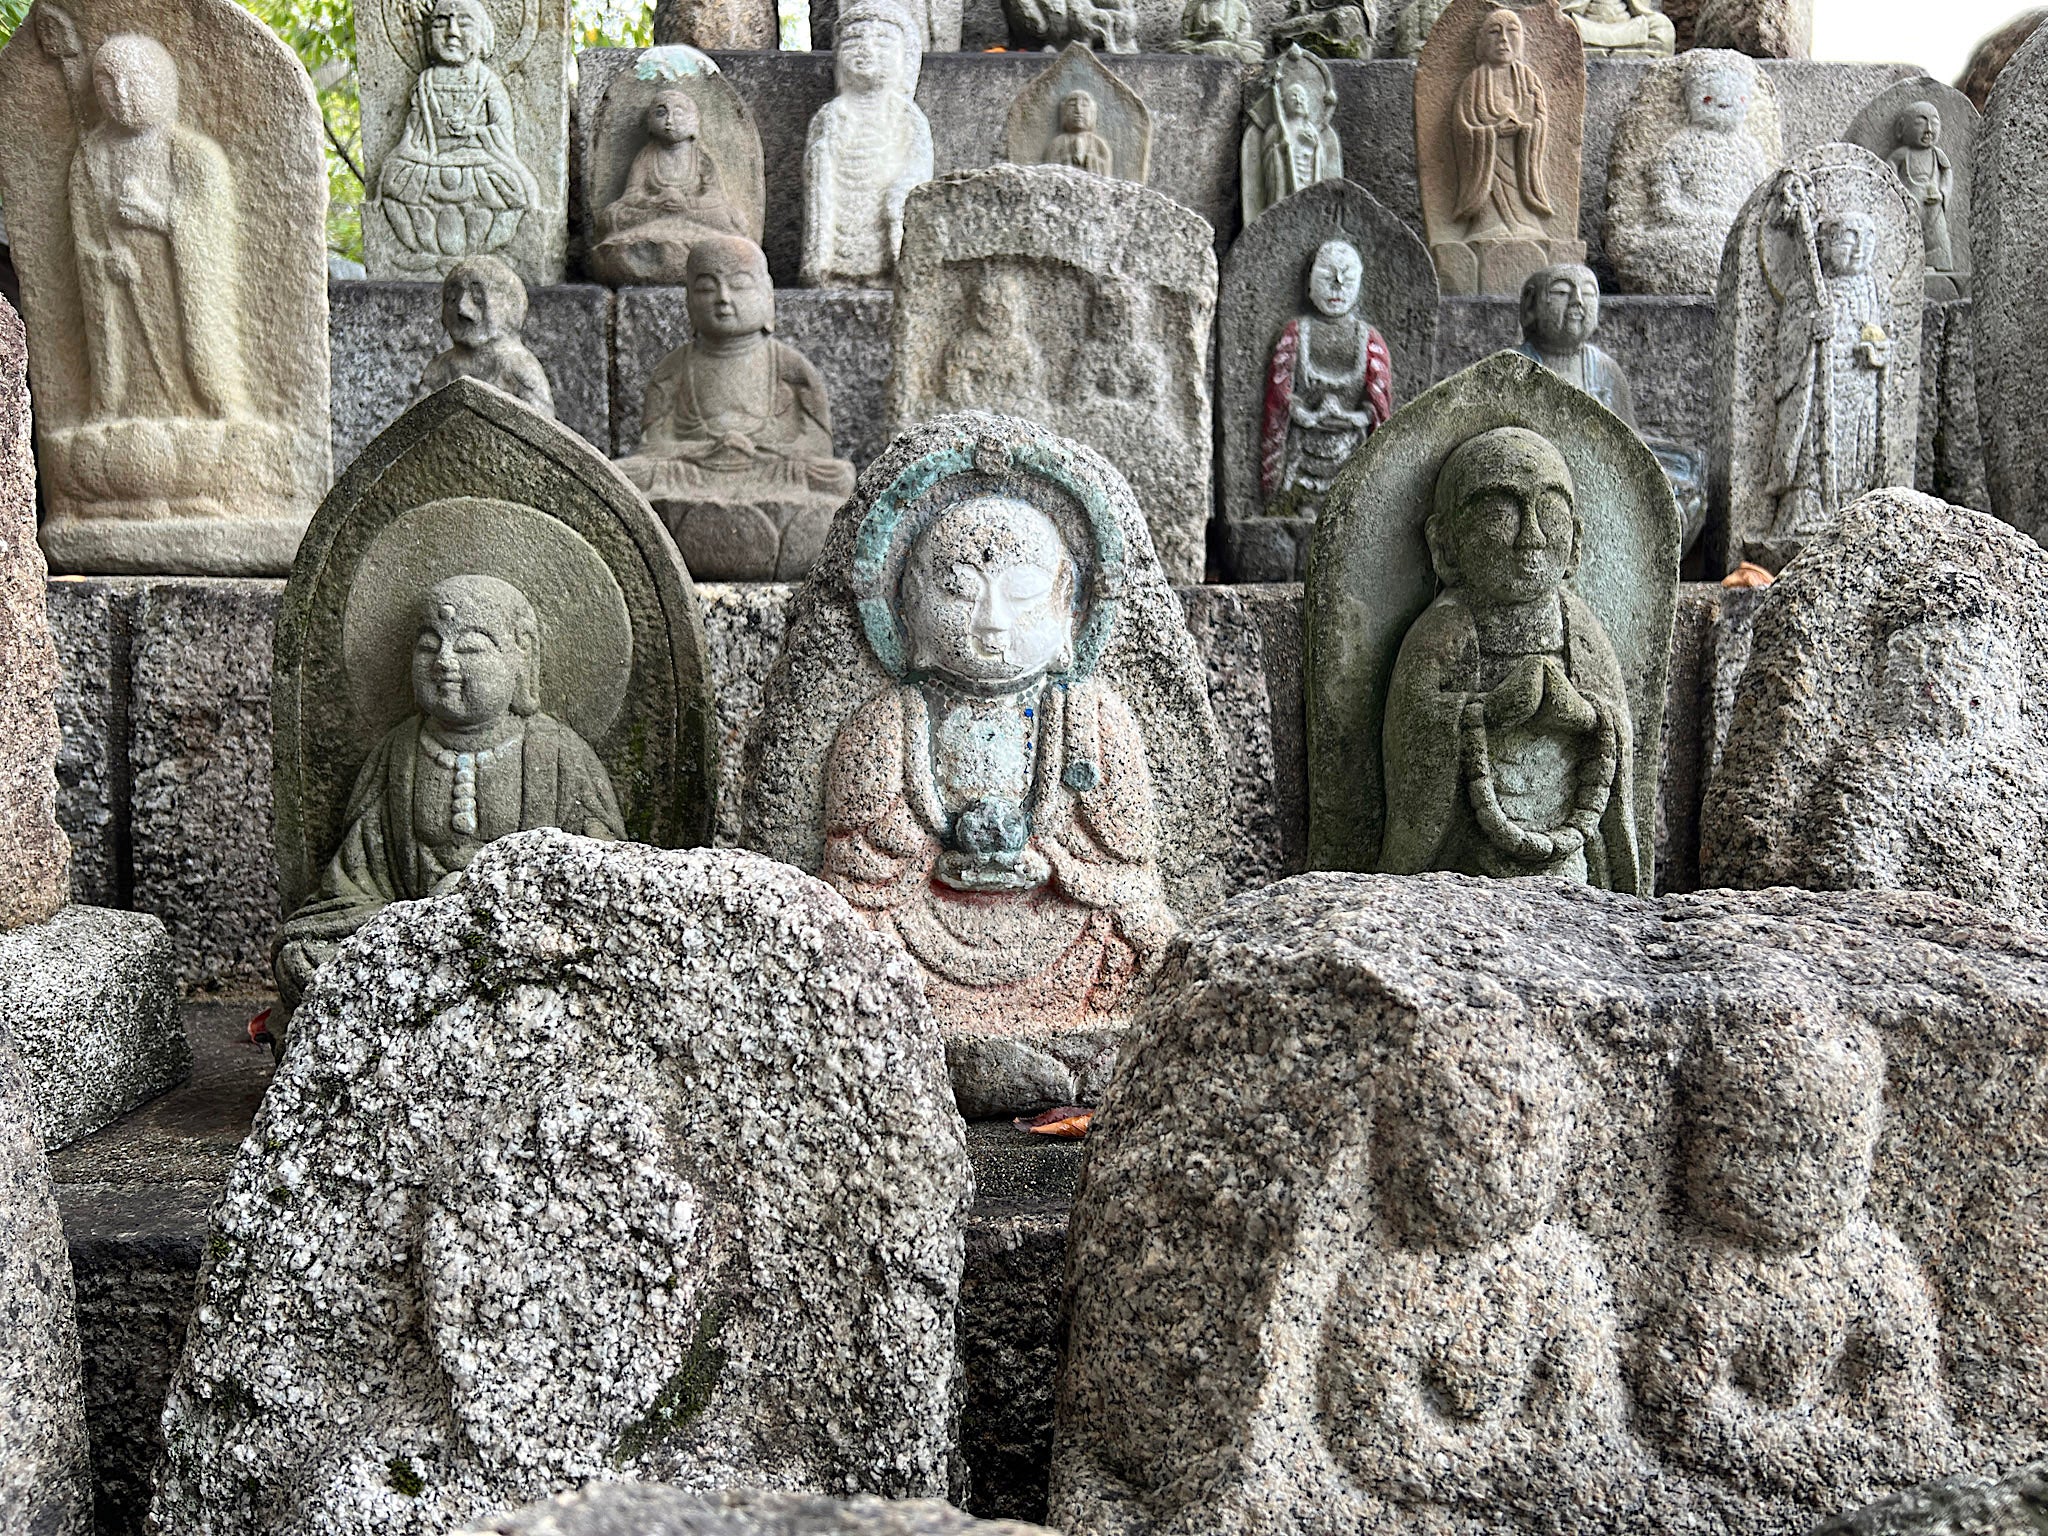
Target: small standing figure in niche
[(1077, 143), (455, 185), (477, 762), (1290, 140), (673, 198), (1923, 165), (1117, 360), (1622, 29), (483, 307), (995, 365), (1560, 313), (1500, 131), (1470, 1358), (1797, 1354), (1330, 383), (1509, 745), (1220, 28), (153, 212), (868, 146)]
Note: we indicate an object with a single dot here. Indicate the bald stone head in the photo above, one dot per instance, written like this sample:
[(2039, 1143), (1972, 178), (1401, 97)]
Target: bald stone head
[(1505, 525), (482, 301), (477, 656), (136, 81), (730, 294)]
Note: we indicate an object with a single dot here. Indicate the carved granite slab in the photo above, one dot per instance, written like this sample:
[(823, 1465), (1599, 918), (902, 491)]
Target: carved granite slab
[(1078, 113), (1927, 133)]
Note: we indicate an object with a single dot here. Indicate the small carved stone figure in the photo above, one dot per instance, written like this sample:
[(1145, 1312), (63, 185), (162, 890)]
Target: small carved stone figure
[(478, 761), (1330, 29), (454, 185), (868, 146), (996, 359), (1330, 383), (1471, 1357), (1509, 745), (1116, 360), (1622, 28), (1501, 128), (1924, 167), (1110, 26), (1220, 28), (1560, 313), (735, 419), (483, 306), (674, 197), (1798, 1353), (1290, 133), (1077, 143)]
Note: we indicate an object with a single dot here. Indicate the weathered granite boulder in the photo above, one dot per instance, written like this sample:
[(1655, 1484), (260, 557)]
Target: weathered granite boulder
[(1965, 1505), (613, 1161), (1888, 730), (654, 1509), (1435, 1203), (1993, 52), (1764, 29)]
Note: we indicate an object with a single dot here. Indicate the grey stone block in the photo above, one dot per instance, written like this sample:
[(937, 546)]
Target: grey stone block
[(1253, 688), (1951, 460), (743, 624), (382, 334), (91, 622), (1682, 773), (89, 999)]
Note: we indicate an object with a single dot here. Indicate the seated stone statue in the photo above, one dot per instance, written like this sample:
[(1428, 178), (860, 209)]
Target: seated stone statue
[(479, 761), (1470, 1358), (991, 812), (1330, 383), (995, 363), (483, 306), (1509, 745), (673, 198), (1623, 28), (1797, 1353), (1560, 313), (1077, 143), (1118, 361), (1219, 28)]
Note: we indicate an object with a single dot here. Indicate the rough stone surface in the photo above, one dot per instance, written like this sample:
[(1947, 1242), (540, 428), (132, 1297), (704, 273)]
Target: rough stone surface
[(183, 430), (1764, 29), (465, 137), (1558, 1200), (715, 23), (1392, 612), (91, 1003), (1263, 291), (1700, 135), (45, 1479), (91, 622), (1951, 461), (35, 858), (1116, 141), (1989, 58), (1071, 774), (1076, 301), (1965, 1505), (1884, 734), (730, 1100), (1492, 211), (655, 1509), (1938, 178), (1772, 486)]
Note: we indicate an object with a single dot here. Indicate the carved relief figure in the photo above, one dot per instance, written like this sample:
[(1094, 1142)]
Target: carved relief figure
[(1290, 136), (993, 810), (1508, 742), (995, 363), (479, 761), (673, 198), (1331, 381), (153, 212), (1220, 28), (1500, 130), (1797, 1353), (1622, 28), (1077, 143), (1469, 1361), (1117, 359), (1110, 26), (1924, 167), (868, 147), (483, 306), (455, 186)]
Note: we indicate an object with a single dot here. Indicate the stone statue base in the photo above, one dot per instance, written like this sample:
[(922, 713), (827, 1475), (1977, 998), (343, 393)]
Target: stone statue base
[(1498, 266), (200, 539), (1265, 548), (756, 538)]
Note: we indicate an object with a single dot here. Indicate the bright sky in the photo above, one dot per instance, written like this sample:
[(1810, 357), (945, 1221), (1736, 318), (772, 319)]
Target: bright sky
[(1935, 34)]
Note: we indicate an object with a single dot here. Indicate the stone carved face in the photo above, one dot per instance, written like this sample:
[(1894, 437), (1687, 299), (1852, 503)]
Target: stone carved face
[(1472, 1139), (1561, 307), (1505, 526), (1334, 278), (1078, 113), (987, 596), (1919, 126), (458, 31), (482, 300), (672, 118), (730, 294), (1848, 242), (136, 81), (868, 55), (1500, 38), (1717, 95), (998, 301), (477, 658), (1295, 100), (1954, 684)]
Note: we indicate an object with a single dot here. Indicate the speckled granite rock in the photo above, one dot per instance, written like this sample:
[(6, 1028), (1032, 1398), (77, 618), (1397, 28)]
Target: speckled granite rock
[(1764, 29), (45, 1480), (1441, 1204), (1966, 1505), (654, 1509), (1993, 52), (93, 1007), (577, 1169)]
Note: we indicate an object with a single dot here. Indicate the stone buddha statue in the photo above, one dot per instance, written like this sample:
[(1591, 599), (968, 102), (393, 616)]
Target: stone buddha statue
[(1509, 746), (1220, 28), (868, 146), (1617, 29), (478, 761), (1923, 166), (995, 363), (993, 809), (1077, 143), (1500, 129), (1560, 313), (673, 198), (483, 307), (1290, 133), (1330, 383)]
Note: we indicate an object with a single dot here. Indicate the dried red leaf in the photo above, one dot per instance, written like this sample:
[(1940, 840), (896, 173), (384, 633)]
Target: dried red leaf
[(1748, 575), (1069, 1122), (259, 1028)]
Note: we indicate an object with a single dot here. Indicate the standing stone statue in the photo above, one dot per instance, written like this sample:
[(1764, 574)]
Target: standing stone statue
[(1499, 107), (1331, 381), (483, 307), (1223, 29), (1927, 132), (1701, 133), (868, 146), (1110, 26), (1622, 29), (957, 736), (485, 633), (1817, 350), (1763, 29), (1494, 709), (695, 173), (736, 435), (1077, 112), (1290, 132), (465, 135), (165, 214), (2009, 208)]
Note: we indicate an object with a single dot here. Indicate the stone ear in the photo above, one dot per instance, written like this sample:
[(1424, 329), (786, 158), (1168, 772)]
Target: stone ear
[(1436, 534), (526, 699)]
